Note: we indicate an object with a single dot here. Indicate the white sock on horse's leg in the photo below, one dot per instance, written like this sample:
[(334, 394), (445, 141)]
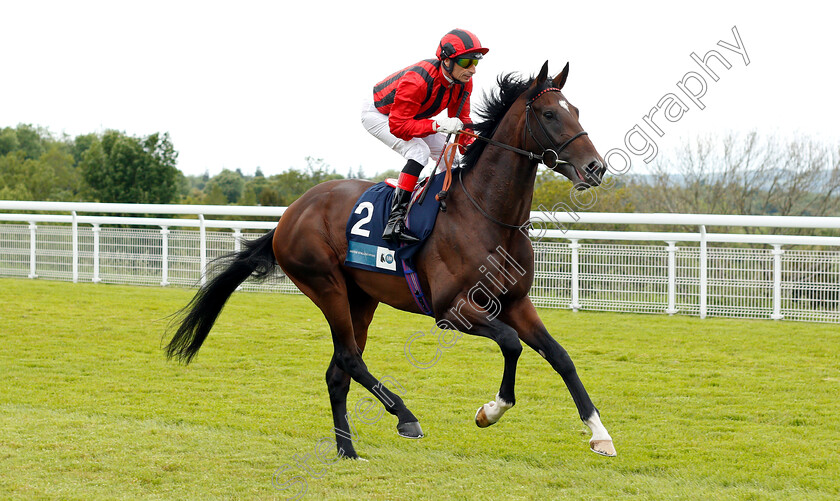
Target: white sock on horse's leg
[(601, 441), (599, 432), (491, 412)]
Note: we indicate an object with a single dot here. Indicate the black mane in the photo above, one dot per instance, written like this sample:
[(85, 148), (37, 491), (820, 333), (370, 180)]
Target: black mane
[(495, 106)]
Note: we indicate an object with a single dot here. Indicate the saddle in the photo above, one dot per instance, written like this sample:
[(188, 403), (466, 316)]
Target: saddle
[(365, 248)]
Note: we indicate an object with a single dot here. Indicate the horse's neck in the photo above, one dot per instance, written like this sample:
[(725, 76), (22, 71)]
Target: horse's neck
[(502, 182)]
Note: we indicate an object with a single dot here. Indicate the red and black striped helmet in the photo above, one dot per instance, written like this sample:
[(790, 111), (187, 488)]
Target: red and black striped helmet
[(457, 43)]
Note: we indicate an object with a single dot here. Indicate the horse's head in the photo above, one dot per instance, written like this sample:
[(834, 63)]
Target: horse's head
[(553, 131)]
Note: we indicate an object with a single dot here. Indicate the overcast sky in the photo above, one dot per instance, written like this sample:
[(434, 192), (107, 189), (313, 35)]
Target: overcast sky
[(267, 83)]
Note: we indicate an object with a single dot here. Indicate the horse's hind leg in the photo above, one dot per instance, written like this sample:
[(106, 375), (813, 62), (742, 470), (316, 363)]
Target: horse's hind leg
[(523, 317), (338, 384), (348, 320), (362, 308)]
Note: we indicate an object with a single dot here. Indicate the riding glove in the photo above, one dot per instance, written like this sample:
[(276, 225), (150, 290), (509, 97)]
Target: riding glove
[(449, 125)]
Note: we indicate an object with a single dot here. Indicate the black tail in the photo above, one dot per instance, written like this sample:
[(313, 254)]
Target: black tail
[(197, 318)]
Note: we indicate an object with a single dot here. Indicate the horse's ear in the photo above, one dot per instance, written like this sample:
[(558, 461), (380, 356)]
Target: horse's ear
[(543, 74), (560, 80)]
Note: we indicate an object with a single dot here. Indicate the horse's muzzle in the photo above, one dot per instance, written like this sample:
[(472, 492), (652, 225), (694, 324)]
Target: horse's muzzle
[(594, 172), (585, 177)]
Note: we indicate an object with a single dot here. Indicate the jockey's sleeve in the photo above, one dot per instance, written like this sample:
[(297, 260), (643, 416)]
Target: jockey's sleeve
[(407, 102)]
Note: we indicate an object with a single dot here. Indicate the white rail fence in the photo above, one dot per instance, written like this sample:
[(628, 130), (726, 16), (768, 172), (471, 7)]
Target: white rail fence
[(690, 273)]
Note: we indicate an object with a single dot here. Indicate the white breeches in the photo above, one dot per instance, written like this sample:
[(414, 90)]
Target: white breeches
[(419, 149)]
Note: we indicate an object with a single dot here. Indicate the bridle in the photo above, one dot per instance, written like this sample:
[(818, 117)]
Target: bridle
[(550, 157), (547, 152)]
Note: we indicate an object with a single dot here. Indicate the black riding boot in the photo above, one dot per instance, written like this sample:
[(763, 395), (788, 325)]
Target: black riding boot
[(395, 230)]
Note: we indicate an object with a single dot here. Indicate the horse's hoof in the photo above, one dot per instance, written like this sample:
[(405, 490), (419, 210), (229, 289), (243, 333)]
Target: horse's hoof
[(603, 447), (481, 418), (410, 430)]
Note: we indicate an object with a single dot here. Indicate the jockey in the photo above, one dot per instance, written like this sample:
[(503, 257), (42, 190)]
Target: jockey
[(403, 108)]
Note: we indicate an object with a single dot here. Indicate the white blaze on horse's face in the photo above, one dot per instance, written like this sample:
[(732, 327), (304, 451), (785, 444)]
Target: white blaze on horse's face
[(565, 105)]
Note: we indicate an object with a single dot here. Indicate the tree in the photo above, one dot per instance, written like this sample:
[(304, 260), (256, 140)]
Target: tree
[(121, 168), (256, 186), (54, 177), (8, 141), (50, 177), (17, 192), (31, 140), (269, 198), (14, 176), (381, 176), (81, 144), (216, 196), (36, 166), (290, 185), (749, 174), (231, 183), (249, 196), (554, 193)]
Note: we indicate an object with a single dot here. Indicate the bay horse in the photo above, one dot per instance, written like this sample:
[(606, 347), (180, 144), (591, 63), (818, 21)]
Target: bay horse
[(525, 123)]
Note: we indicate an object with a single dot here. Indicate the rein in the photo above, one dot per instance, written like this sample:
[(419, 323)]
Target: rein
[(449, 159), (526, 224)]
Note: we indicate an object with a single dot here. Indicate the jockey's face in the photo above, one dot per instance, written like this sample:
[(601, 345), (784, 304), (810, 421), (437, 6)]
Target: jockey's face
[(460, 74)]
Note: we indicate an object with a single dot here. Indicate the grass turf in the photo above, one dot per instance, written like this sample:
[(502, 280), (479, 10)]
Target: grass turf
[(698, 409)]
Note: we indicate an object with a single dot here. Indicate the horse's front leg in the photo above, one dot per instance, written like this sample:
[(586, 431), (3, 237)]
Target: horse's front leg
[(523, 317), (482, 323)]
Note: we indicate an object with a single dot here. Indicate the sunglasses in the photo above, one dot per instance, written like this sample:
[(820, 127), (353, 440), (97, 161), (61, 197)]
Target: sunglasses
[(465, 62)]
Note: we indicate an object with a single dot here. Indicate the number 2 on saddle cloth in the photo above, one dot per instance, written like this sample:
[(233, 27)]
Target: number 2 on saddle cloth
[(367, 251)]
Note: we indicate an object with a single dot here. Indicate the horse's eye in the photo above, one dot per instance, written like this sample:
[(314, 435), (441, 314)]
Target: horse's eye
[(548, 114)]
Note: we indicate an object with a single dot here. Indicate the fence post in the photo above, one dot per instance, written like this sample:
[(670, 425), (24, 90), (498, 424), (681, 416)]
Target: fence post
[(164, 256), (202, 234), (672, 278), (75, 236), (777, 282), (574, 246), (96, 230), (32, 240), (704, 284), (237, 246)]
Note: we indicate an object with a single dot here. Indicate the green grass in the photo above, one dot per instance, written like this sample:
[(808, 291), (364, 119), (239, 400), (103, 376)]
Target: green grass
[(699, 409)]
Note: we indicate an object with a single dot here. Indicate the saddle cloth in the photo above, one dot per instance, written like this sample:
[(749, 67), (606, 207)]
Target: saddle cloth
[(366, 249)]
